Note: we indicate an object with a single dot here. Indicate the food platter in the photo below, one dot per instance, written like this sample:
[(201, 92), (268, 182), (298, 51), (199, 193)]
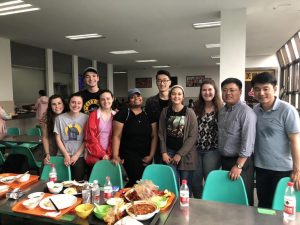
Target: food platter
[(8, 180), (62, 201), (142, 210)]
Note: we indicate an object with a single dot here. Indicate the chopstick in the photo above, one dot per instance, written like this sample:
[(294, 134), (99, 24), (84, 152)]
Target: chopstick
[(56, 208)]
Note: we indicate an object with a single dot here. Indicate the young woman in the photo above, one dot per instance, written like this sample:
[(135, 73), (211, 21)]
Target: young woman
[(69, 133), (98, 133), (56, 106), (178, 135), (134, 137), (206, 109)]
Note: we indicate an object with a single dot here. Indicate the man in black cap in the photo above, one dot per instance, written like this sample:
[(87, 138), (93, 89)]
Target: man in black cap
[(91, 94)]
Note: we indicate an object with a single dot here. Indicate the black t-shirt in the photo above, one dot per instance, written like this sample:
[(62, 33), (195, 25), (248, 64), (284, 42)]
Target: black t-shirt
[(163, 104), (90, 100), (175, 128), (136, 134)]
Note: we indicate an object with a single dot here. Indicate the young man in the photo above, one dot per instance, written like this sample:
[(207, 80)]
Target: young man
[(236, 138), (277, 145), (155, 104), (91, 94)]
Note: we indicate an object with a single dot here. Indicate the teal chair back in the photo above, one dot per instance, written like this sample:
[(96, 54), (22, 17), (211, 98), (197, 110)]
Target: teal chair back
[(34, 131), (104, 168), (278, 202), (13, 131), (218, 187), (162, 176), (1, 159), (33, 164), (63, 172)]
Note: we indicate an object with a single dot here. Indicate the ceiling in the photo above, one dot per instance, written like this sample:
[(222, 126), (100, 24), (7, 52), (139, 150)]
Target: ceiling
[(157, 29)]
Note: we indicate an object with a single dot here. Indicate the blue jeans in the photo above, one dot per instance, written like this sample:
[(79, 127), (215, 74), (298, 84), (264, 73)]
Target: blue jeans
[(208, 161), (181, 174)]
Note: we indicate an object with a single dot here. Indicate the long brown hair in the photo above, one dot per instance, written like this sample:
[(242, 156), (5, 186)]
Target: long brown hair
[(200, 103)]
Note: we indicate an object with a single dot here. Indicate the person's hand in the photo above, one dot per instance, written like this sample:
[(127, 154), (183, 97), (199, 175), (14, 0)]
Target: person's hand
[(47, 159), (67, 160), (74, 159), (105, 157), (166, 158), (117, 160), (176, 159), (234, 173), (295, 176), (146, 160)]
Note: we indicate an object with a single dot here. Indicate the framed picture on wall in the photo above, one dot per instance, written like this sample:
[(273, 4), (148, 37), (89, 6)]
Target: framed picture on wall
[(145, 82), (194, 81)]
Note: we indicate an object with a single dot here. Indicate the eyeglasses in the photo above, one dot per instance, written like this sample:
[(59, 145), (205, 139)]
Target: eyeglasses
[(229, 90), (162, 81)]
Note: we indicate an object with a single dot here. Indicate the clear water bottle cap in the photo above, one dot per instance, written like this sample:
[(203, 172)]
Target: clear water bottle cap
[(95, 181), (290, 184)]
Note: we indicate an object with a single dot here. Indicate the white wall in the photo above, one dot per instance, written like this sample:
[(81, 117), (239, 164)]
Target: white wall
[(263, 62)]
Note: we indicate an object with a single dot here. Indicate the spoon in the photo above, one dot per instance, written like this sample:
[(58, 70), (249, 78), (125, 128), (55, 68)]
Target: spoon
[(21, 175), (97, 206)]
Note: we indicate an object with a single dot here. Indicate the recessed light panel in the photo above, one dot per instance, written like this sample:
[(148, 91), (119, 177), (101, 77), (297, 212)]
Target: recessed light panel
[(84, 36), (207, 25), (146, 60), (123, 52), (212, 45), (166, 66)]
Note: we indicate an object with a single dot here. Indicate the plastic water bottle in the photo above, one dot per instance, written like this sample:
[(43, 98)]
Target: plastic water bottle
[(289, 211), (184, 194), (86, 193), (53, 174), (95, 192), (107, 189)]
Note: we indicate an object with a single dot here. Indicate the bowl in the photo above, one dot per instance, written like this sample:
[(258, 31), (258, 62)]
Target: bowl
[(84, 210), (36, 195), (30, 203), (4, 188), (101, 211), (54, 188), (114, 201), (8, 180), (24, 178), (142, 210)]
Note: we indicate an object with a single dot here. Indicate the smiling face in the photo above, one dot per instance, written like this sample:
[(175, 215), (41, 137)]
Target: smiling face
[(265, 93), (163, 82), (231, 94), (106, 100), (57, 105), (177, 96), (207, 92), (91, 79), (136, 100), (75, 104)]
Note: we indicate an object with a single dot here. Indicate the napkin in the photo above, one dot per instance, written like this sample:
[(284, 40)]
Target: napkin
[(128, 221)]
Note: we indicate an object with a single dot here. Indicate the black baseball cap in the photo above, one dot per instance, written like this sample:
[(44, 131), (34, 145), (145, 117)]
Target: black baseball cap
[(90, 69)]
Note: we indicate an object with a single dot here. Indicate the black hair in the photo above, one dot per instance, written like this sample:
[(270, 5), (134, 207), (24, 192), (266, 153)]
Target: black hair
[(264, 78), (163, 72), (74, 95), (232, 80), (50, 115), (90, 69), (106, 91), (42, 93)]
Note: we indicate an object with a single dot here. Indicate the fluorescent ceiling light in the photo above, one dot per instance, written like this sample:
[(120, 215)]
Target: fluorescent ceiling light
[(212, 45), (166, 66), (84, 36), (207, 25), (146, 60), (124, 52), (215, 57), (10, 3), (218, 63), (15, 7), (119, 72), (19, 11)]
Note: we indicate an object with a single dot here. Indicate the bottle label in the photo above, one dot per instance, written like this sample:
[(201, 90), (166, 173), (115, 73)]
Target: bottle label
[(107, 195), (53, 177), (184, 197), (289, 205)]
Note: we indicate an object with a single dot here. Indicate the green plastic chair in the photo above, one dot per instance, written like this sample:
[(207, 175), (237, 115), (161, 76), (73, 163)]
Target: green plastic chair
[(12, 131), (218, 187), (1, 159), (63, 172), (104, 168), (162, 176), (33, 164), (278, 202), (35, 131)]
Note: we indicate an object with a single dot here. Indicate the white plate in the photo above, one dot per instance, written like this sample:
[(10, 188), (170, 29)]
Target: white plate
[(4, 188), (71, 191), (36, 195), (8, 180), (62, 201)]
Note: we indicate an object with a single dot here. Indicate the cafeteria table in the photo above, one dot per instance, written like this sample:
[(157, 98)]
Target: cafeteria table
[(212, 213), (22, 139)]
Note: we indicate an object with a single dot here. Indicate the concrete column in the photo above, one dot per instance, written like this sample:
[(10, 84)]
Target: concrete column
[(49, 72), (94, 64), (75, 73), (110, 77), (233, 45), (6, 84)]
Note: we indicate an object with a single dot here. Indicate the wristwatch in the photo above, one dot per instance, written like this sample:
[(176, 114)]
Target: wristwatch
[(239, 166)]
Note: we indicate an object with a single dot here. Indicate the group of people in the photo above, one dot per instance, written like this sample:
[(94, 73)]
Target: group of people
[(192, 140)]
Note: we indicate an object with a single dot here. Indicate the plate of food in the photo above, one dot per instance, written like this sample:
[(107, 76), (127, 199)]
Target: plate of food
[(71, 191), (8, 180), (142, 210), (114, 201), (62, 201)]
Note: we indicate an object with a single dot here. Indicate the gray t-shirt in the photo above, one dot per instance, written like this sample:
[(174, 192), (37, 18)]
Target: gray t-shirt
[(71, 131), (236, 130), (272, 145)]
